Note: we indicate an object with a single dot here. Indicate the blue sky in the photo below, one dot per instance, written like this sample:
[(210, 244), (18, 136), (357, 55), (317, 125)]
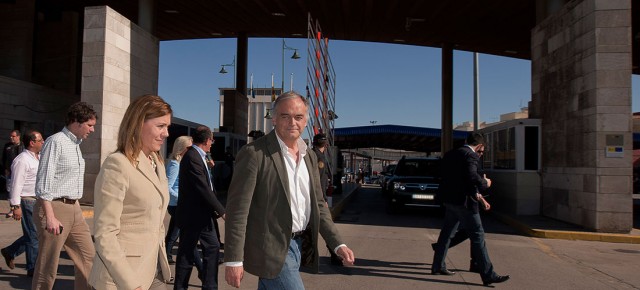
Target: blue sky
[(387, 83)]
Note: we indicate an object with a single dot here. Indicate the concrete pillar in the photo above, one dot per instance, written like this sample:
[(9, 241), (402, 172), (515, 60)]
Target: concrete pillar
[(119, 63), (581, 89), (146, 16), (446, 142), (242, 51)]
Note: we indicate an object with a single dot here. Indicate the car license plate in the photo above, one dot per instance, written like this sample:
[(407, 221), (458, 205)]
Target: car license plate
[(423, 196)]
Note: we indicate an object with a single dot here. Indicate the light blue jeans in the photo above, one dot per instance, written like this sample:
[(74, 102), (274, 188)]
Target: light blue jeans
[(289, 277)]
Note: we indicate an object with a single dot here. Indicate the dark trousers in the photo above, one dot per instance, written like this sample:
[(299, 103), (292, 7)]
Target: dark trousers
[(470, 220), (189, 238), (172, 231)]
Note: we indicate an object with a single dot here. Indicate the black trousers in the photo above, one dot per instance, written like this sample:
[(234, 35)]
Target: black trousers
[(210, 243)]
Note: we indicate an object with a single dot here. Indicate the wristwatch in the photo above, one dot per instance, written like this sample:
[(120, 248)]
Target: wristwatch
[(14, 207)]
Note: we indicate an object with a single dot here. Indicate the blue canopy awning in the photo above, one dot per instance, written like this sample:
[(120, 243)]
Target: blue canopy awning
[(394, 137)]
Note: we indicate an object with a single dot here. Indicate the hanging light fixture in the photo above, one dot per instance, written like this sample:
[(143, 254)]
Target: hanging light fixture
[(295, 54), (232, 64)]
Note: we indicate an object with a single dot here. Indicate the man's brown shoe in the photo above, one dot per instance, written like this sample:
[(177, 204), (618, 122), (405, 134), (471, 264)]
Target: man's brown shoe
[(8, 259)]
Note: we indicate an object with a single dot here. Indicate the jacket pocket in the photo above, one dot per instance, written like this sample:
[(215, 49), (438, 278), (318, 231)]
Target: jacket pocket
[(133, 252)]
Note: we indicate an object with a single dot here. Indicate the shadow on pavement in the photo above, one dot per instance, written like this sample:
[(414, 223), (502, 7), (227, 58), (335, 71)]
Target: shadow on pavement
[(386, 269)]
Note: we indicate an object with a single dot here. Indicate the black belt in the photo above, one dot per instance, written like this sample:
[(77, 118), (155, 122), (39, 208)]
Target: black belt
[(66, 200), (296, 235)]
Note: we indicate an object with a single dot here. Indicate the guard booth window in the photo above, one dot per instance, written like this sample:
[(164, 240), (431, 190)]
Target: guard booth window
[(504, 153)]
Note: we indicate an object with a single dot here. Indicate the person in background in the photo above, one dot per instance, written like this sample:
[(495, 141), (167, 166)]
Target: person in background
[(320, 144), (130, 201), (59, 186), (228, 161), (198, 209), (11, 150), (22, 199), (461, 235), (459, 190), (180, 146), (275, 203)]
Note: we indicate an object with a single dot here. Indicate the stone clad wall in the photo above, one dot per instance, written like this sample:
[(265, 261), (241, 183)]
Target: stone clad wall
[(581, 89), (119, 63)]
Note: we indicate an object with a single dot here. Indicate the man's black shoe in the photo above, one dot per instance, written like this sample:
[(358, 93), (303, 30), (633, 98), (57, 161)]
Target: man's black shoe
[(7, 259), (496, 279), (443, 272), (221, 246), (30, 273), (433, 246)]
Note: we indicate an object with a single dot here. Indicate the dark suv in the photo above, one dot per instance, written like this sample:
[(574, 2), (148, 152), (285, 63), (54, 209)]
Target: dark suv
[(414, 182)]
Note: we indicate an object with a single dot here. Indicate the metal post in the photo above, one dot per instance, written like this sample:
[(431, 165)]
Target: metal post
[(476, 93)]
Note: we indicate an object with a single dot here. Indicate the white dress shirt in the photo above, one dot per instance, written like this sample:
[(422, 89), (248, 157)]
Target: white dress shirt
[(299, 185), (23, 172)]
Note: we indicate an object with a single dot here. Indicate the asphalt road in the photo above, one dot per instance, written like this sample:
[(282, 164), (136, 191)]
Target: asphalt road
[(393, 252)]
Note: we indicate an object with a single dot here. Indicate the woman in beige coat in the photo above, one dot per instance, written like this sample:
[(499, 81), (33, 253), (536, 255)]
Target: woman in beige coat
[(130, 202)]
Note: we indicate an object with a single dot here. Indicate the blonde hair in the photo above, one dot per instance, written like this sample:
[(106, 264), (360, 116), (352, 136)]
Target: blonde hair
[(179, 146), (129, 135)]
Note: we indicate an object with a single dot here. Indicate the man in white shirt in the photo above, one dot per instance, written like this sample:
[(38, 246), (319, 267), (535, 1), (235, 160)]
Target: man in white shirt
[(22, 199)]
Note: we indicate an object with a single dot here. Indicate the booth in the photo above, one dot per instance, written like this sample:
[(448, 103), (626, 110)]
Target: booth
[(512, 162)]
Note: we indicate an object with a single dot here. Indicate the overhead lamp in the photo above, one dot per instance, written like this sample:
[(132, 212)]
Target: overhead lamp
[(224, 71), (294, 56), (332, 115)]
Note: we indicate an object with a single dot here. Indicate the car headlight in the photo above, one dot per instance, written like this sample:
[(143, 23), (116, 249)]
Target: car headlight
[(399, 186)]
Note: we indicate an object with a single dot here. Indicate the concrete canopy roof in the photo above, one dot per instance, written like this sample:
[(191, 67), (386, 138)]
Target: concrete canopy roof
[(499, 27)]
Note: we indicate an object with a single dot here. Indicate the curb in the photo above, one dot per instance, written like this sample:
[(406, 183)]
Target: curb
[(567, 235), (87, 213), (336, 209)]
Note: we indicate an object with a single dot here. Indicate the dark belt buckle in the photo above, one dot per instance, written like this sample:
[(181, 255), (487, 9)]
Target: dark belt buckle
[(296, 235), (67, 200)]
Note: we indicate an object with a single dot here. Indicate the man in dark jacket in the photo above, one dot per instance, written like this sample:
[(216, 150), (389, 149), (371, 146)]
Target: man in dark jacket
[(459, 190), (11, 150), (197, 211), (320, 144)]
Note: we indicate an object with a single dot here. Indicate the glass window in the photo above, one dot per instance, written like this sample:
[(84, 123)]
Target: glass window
[(504, 149)]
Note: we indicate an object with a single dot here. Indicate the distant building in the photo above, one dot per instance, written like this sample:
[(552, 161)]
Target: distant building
[(468, 125)]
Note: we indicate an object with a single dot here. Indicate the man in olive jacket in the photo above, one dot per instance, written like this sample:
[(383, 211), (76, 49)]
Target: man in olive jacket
[(275, 207)]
